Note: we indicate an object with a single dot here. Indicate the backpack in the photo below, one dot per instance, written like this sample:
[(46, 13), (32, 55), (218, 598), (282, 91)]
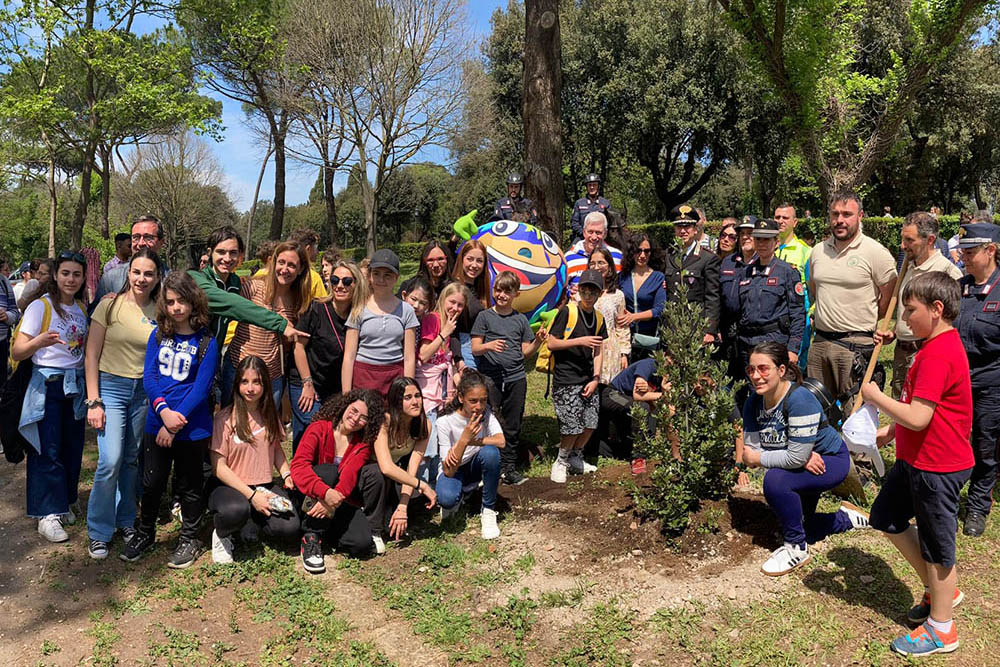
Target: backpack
[(12, 394)]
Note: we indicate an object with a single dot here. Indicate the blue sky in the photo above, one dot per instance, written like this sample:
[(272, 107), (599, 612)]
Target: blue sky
[(240, 155)]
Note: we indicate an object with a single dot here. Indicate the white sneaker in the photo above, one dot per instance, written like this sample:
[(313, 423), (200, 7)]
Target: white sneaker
[(50, 527), (858, 517), (379, 544), (250, 532), (488, 519), (559, 470), (222, 549), (785, 558)]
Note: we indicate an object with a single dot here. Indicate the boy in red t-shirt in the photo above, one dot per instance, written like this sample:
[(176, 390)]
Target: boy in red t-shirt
[(932, 424)]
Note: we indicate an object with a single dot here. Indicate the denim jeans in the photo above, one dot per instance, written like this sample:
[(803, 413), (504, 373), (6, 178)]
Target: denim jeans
[(466, 340), (53, 475), (113, 499), (300, 419), (431, 465), (485, 466)]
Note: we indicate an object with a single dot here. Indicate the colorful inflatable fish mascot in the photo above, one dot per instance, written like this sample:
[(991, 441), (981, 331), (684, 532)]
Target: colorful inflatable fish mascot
[(528, 253)]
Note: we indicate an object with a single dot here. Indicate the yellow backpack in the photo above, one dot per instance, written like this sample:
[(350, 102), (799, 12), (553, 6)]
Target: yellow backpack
[(545, 362), (46, 322)]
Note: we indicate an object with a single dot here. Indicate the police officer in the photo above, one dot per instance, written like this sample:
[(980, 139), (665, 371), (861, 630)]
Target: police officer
[(978, 324), (698, 266), (771, 297), (584, 205), (732, 266), (514, 202)]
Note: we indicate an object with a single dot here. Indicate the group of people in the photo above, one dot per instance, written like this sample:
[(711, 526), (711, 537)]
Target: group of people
[(421, 392)]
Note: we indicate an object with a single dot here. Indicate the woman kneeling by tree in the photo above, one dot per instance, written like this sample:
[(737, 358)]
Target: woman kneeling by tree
[(785, 431)]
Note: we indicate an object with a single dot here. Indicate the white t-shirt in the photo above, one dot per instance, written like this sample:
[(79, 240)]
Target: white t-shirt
[(72, 328), (449, 430)]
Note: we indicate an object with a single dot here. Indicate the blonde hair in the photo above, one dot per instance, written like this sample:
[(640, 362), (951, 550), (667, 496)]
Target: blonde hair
[(449, 289), (360, 296)]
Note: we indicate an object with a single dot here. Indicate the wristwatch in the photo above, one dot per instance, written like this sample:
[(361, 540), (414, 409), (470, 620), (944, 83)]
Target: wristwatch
[(93, 403)]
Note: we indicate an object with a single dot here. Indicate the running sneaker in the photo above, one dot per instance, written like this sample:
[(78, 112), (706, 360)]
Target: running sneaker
[(925, 640), (975, 524), (577, 465), (488, 520), (920, 612), (50, 527), (559, 471), (222, 549), (184, 554), (638, 466), (785, 558), (312, 554), (858, 517), (513, 478), (98, 549), (137, 546), (379, 544)]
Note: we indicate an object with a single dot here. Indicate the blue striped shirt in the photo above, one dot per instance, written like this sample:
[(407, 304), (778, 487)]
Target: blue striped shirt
[(788, 445)]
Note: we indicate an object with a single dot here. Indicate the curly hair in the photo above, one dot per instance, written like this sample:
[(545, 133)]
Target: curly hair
[(635, 240), (184, 286), (335, 406)]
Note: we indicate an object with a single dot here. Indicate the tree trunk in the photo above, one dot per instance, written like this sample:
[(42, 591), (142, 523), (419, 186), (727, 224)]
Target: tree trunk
[(53, 205), (371, 215), (278, 215), (543, 113), (105, 190), (80, 214), (331, 204), (256, 193)]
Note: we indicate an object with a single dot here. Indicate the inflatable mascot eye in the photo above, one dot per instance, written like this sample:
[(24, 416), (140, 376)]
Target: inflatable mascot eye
[(549, 245), (504, 228)]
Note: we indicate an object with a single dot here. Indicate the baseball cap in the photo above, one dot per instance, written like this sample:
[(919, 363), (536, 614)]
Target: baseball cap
[(385, 259), (591, 277)]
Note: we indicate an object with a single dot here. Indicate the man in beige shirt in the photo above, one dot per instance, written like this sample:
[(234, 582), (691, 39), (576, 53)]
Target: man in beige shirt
[(919, 235), (852, 278)]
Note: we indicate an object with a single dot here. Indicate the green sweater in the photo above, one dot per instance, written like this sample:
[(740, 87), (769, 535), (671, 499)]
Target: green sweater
[(226, 305)]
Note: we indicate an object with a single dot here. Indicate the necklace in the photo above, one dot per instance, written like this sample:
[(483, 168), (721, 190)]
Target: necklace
[(589, 325)]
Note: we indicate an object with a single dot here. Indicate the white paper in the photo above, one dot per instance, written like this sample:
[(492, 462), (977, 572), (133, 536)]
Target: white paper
[(859, 433)]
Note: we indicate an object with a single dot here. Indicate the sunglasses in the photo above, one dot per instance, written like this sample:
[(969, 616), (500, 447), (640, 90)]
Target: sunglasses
[(644, 251), (74, 257), (336, 280), (730, 236), (763, 370)]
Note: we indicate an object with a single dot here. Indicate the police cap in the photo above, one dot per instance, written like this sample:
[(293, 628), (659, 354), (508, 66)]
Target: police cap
[(765, 229), (514, 178), (592, 178), (684, 215), (749, 222), (977, 233)]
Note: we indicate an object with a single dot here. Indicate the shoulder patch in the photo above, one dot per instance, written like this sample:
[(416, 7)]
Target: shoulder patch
[(800, 289)]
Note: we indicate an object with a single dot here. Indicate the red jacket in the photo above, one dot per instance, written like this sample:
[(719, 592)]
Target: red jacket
[(317, 447)]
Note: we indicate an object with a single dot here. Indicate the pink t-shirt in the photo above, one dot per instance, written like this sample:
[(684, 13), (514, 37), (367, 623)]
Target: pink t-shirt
[(253, 462), (433, 377)]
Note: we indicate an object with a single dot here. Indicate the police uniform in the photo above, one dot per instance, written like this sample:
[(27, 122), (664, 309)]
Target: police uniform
[(771, 301), (699, 268), (583, 207), (729, 270), (978, 325), (796, 253), (507, 206)]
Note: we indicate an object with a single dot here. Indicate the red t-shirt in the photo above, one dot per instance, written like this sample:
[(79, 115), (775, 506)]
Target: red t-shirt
[(940, 374)]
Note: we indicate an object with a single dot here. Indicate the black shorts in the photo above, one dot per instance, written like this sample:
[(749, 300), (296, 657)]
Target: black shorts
[(931, 497)]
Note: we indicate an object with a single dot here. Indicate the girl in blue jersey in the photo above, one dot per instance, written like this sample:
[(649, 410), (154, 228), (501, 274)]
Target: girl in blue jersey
[(181, 358), (785, 431)]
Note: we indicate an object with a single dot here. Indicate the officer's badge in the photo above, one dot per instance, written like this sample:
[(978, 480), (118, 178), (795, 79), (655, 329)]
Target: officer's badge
[(771, 282), (800, 289), (962, 232), (991, 307)]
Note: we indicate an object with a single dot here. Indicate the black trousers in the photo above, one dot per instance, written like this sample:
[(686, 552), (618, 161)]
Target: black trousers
[(508, 398), (186, 457), (616, 416), (351, 527), (232, 510), (985, 433)]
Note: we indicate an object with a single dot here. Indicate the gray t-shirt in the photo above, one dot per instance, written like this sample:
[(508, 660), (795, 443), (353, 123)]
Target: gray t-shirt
[(508, 365), (380, 337)]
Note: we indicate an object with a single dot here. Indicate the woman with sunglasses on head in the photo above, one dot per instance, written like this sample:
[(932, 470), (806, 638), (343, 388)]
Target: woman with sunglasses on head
[(786, 431), (116, 400), (51, 333), (315, 375), (645, 296)]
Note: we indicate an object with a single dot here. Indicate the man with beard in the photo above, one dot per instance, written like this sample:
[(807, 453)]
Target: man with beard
[(852, 278), (919, 234)]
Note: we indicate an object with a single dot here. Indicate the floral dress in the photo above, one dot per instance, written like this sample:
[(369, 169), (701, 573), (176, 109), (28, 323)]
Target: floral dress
[(619, 341)]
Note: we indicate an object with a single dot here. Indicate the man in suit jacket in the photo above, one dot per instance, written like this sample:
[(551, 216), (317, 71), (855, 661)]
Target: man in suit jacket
[(696, 265)]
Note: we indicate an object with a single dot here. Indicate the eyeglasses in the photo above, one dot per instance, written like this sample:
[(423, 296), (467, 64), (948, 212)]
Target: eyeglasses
[(148, 238), (730, 236), (644, 251), (360, 416), (337, 280), (74, 257), (762, 369)]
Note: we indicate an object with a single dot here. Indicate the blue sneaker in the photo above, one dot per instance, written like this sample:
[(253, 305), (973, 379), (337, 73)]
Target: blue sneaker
[(925, 640)]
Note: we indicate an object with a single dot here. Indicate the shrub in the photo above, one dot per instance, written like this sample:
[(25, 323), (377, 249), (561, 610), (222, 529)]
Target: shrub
[(702, 423)]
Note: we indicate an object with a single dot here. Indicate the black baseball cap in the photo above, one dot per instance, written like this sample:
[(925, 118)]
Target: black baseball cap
[(591, 277), (385, 259)]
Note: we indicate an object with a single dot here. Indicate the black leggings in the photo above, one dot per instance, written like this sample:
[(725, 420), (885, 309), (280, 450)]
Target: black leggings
[(187, 458), (232, 510), (350, 528)]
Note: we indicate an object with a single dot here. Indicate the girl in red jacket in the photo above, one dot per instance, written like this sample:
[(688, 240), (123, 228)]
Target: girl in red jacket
[(332, 468)]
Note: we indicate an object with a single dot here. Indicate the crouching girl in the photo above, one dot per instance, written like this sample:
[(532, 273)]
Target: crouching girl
[(785, 431)]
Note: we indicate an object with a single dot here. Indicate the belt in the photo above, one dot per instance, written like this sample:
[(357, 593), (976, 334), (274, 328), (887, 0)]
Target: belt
[(759, 331), (909, 345), (837, 335)]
